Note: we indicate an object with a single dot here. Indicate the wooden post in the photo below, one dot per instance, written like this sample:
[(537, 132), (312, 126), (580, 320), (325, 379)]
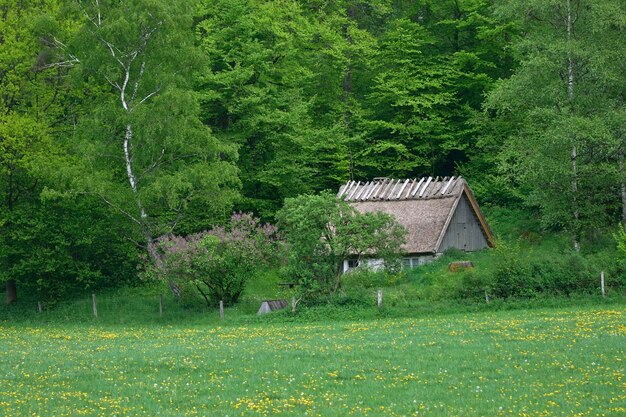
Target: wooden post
[(161, 305), (602, 283), (39, 306), (293, 304), (95, 307), (11, 291), (486, 296), (221, 310), (380, 298)]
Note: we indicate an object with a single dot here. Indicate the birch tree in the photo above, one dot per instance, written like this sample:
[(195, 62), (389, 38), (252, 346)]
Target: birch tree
[(558, 99), (145, 151)]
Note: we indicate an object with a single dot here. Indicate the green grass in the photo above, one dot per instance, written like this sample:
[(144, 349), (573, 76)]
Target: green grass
[(540, 362), (426, 352)]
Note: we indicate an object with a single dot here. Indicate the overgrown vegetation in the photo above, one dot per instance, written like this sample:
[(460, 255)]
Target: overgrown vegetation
[(530, 267), (124, 121), (217, 263), (323, 231)]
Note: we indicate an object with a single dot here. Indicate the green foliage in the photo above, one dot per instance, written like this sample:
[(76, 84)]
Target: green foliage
[(246, 103), (322, 231), (252, 94), (218, 263), (543, 274), (554, 113), (620, 240), (142, 146), (58, 249), (366, 278)]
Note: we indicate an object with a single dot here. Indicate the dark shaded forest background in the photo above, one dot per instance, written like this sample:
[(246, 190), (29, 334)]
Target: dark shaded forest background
[(124, 121)]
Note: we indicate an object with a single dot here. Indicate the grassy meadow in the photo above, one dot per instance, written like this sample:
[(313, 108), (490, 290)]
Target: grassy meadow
[(542, 362)]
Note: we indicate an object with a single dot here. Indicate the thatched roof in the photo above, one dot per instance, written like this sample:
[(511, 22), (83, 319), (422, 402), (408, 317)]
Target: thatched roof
[(423, 206)]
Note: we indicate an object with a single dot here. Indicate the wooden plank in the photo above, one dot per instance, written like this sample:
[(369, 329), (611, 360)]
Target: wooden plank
[(94, 306), (356, 187), (361, 191), (479, 214), (417, 187), (425, 186), (402, 189), (343, 189), (385, 190), (447, 223), (372, 194), (447, 186), (602, 283), (411, 186), (375, 185), (392, 190)]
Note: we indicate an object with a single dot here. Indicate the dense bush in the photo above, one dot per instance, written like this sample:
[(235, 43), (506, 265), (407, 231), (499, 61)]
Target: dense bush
[(217, 263), (64, 247), (322, 231), (366, 278), (517, 271), (515, 275)]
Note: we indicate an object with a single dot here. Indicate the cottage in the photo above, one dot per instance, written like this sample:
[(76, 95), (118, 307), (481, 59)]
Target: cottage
[(438, 213)]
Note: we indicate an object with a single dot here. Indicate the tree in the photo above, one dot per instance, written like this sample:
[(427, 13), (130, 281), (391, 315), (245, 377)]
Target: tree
[(31, 93), (219, 262), (253, 94), (558, 100), (322, 231), (412, 105), (145, 151)]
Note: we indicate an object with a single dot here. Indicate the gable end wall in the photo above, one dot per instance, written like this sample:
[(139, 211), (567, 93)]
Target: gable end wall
[(464, 231)]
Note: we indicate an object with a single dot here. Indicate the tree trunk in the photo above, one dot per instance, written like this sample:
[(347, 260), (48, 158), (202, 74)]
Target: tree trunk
[(143, 216), (570, 99), (128, 159), (11, 291), (622, 182)]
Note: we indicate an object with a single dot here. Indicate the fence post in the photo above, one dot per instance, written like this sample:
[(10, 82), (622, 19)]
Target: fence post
[(293, 304), (160, 305), (95, 307), (39, 306), (379, 298), (221, 309), (602, 283), (486, 296)]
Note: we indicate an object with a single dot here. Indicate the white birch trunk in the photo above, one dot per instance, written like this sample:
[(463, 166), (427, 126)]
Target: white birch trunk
[(128, 159)]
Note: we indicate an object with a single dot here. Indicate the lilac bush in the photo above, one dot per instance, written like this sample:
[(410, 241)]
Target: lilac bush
[(217, 263)]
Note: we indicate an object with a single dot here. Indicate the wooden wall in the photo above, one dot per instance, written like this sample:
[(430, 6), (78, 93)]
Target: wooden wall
[(464, 231)]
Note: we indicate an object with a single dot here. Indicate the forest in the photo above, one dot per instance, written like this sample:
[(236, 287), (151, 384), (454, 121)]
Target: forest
[(125, 121)]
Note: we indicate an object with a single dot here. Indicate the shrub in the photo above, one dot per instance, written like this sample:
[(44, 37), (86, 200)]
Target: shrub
[(547, 273), (216, 263), (366, 278), (322, 231)]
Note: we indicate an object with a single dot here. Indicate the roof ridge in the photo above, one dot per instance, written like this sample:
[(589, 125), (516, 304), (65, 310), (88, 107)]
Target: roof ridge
[(385, 188)]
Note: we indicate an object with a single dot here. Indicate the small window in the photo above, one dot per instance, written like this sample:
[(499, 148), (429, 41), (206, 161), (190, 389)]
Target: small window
[(406, 263), (353, 263)]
